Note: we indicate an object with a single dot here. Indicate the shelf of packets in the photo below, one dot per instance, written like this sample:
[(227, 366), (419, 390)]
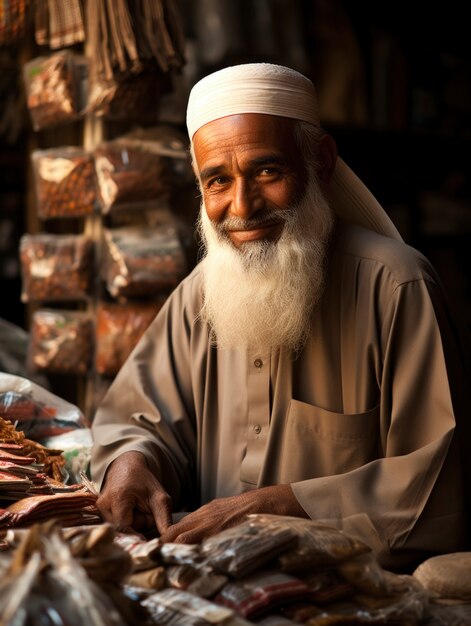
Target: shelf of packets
[(137, 260)]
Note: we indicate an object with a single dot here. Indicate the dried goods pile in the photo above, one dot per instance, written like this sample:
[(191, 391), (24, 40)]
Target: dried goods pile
[(31, 485), (269, 570)]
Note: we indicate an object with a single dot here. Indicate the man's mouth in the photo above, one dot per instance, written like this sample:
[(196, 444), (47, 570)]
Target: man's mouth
[(256, 232)]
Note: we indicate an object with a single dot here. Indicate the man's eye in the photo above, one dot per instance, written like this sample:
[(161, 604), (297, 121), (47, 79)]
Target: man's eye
[(219, 180), (268, 171)]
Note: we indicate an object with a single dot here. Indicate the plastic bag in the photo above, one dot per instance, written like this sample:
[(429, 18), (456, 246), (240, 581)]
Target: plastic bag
[(172, 606), (118, 329), (261, 592), (61, 342), (54, 86), (38, 412), (76, 446), (142, 262), (134, 98), (318, 544), (240, 550), (128, 173), (65, 182), (56, 267)]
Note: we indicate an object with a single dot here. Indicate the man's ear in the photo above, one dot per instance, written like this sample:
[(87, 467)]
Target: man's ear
[(327, 158)]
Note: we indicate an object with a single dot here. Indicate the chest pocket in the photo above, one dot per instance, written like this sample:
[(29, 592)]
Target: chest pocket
[(317, 442)]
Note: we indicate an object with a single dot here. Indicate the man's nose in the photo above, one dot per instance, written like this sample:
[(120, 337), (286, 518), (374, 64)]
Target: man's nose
[(247, 199)]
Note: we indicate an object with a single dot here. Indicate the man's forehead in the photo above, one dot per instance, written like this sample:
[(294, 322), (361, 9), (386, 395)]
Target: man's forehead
[(248, 131), (248, 128)]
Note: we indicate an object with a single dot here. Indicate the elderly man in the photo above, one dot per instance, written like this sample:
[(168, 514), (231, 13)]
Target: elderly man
[(308, 366)]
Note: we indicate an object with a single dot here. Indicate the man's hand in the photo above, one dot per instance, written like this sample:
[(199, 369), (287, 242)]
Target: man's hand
[(132, 498), (226, 512)]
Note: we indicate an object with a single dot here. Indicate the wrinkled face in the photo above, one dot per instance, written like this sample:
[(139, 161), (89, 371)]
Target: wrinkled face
[(250, 172)]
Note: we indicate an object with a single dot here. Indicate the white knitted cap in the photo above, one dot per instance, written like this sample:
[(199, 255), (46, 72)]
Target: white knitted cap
[(277, 90)]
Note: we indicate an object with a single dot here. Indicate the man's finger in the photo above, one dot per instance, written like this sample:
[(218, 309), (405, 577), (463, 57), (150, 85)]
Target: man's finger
[(161, 507), (122, 514)]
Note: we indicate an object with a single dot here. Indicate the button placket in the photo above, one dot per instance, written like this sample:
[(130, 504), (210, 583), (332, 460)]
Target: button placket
[(258, 389)]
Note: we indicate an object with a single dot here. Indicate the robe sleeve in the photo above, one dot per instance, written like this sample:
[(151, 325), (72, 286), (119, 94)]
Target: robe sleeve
[(411, 500)]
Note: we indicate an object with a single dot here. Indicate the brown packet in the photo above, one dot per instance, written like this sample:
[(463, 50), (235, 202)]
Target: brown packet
[(318, 545), (261, 592), (142, 262), (173, 606), (155, 578), (133, 98), (65, 182), (144, 554), (119, 326), (61, 342), (199, 580), (54, 87), (251, 545), (128, 174), (56, 267)]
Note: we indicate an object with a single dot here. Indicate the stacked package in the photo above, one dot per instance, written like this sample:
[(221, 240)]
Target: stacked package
[(32, 487)]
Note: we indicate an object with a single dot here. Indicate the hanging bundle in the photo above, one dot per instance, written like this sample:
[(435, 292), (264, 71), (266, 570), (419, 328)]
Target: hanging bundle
[(58, 23), (132, 48), (125, 36)]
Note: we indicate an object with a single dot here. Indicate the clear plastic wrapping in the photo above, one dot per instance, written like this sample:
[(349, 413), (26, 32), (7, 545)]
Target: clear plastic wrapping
[(56, 267), (38, 412), (247, 547), (53, 87), (129, 174), (261, 592), (134, 98), (118, 329), (61, 341), (172, 607), (142, 262), (318, 544), (65, 182)]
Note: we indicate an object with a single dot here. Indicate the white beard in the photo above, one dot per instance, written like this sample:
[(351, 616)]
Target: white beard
[(261, 295)]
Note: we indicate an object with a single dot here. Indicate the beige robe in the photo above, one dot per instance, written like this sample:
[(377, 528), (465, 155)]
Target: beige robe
[(362, 424)]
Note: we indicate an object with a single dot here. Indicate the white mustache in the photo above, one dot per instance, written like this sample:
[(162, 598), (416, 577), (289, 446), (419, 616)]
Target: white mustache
[(267, 218)]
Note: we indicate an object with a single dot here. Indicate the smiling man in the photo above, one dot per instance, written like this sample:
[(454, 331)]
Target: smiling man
[(265, 226), (308, 366)]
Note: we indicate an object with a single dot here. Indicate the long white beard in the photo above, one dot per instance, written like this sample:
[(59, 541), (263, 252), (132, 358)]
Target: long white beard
[(261, 295)]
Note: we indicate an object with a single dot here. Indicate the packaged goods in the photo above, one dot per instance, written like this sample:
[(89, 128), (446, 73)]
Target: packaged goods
[(143, 553), (318, 544), (61, 341), (36, 411), (241, 550), (56, 267), (65, 182), (172, 606), (129, 174), (53, 88), (134, 98), (118, 329), (261, 592), (76, 446), (141, 262)]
